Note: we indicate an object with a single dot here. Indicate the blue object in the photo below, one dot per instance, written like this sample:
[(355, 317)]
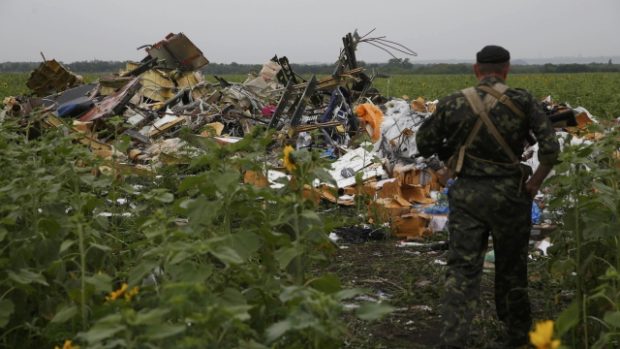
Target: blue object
[(329, 153), (437, 209), (442, 205), (446, 189), (536, 213), (75, 107), (336, 98)]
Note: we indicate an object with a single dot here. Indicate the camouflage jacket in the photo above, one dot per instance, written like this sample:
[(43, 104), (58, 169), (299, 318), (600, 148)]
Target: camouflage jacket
[(447, 129)]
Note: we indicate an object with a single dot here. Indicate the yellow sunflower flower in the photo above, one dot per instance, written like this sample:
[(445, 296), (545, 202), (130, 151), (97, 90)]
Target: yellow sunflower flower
[(131, 293), (123, 292), (542, 336), (68, 345), (289, 163), (114, 295)]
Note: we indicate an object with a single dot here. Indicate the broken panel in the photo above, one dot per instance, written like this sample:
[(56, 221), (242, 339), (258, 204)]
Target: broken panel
[(51, 77)]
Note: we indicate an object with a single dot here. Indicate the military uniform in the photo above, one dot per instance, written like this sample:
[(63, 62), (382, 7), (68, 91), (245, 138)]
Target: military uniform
[(488, 197)]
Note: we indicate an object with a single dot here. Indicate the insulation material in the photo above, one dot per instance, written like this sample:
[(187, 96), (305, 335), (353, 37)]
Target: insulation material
[(345, 169), (398, 130), (373, 117)]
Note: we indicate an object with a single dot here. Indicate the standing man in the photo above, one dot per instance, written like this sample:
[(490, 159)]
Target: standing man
[(483, 130)]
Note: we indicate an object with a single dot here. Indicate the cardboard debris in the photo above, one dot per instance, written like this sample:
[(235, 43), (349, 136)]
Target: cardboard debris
[(255, 178), (387, 210), (411, 226)]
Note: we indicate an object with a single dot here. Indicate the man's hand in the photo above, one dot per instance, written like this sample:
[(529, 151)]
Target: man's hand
[(534, 183), (532, 188)]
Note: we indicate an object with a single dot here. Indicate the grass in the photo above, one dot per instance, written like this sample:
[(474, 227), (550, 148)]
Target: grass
[(596, 92), (12, 84)]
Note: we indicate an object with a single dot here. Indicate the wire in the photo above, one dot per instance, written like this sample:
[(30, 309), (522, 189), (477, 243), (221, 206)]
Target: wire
[(394, 46), (382, 49), (401, 46), (381, 43)]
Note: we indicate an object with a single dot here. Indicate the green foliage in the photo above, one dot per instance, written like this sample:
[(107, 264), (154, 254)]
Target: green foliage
[(12, 84), (587, 249), (219, 264), (193, 259)]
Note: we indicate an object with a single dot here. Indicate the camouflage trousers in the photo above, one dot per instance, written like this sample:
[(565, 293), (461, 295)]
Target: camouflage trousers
[(479, 207)]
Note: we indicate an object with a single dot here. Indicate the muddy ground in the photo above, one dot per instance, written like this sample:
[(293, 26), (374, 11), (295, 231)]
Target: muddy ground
[(410, 278)]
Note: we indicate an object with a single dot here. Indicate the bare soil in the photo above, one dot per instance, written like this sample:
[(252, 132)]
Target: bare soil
[(411, 280)]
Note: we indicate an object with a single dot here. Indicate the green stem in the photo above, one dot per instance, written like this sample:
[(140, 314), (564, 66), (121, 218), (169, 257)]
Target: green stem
[(614, 185), (220, 338), (128, 340), (6, 333), (7, 292), (35, 203), (580, 287), (82, 275), (299, 271)]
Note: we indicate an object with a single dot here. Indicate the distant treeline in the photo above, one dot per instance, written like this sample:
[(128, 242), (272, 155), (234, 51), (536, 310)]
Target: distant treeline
[(393, 66)]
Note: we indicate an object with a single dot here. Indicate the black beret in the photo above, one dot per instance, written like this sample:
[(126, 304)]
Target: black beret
[(493, 54)]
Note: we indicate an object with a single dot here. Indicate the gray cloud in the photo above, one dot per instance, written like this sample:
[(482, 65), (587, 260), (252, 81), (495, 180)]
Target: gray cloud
[(250, 31)]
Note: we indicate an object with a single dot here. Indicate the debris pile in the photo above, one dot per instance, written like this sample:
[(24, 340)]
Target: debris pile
[(146, 105)]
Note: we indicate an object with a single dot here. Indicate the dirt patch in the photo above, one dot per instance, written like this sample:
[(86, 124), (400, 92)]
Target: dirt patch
[(411, 279)]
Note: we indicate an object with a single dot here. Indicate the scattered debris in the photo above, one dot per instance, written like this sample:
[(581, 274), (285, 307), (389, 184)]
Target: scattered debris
[(359, 234), (543, 245), (150, 101)]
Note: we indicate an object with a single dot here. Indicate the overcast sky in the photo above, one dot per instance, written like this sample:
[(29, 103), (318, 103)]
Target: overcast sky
[(252, 31)]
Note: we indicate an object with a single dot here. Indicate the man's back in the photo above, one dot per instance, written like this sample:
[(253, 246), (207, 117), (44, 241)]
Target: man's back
[(454, 119)]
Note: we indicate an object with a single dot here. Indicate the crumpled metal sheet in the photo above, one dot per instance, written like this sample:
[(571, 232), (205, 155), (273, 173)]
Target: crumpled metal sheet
[(114, 104), (176, 51)]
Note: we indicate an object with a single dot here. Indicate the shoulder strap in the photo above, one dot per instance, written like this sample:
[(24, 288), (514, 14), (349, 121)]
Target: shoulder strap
[(502, 98), (477, 106), (460, 156)]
